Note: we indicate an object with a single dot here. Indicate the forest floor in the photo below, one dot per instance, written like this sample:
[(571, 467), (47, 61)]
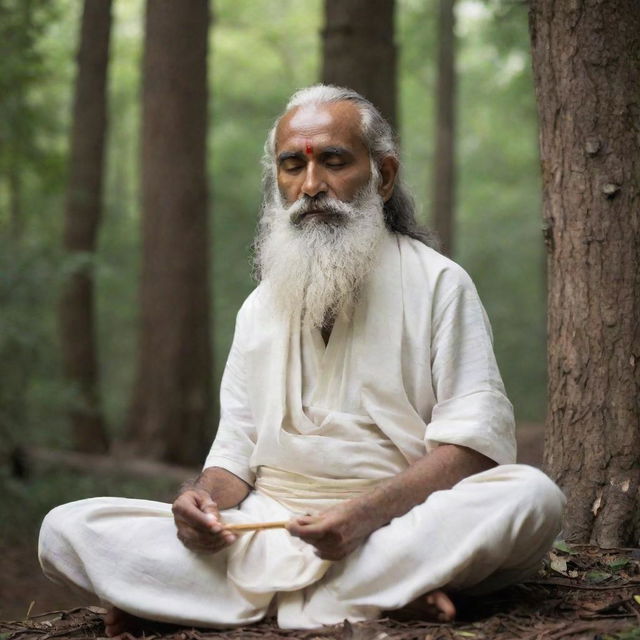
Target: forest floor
[(583, 593)]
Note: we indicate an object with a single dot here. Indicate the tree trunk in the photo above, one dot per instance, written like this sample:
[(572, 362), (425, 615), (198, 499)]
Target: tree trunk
[(359, 51), (83, 212), (171, 407), (586, 56), (444, 178)]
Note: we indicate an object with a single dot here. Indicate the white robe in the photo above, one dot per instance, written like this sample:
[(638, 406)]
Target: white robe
[(415, 361), (409, 368)]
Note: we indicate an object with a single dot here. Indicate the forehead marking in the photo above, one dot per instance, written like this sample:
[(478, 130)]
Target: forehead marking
[(308, 148)]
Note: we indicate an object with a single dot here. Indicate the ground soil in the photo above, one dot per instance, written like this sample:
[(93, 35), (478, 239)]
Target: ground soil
[(583, 593), (591, 595)]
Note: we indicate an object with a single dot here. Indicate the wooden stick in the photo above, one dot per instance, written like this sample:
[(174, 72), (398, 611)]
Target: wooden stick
[(255, 526)]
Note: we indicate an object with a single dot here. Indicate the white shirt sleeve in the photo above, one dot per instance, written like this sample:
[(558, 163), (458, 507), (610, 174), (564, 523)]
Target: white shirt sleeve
[(236, 436), (471, 408)]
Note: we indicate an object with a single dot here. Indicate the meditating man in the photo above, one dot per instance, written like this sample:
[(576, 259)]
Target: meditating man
[(361, 404)]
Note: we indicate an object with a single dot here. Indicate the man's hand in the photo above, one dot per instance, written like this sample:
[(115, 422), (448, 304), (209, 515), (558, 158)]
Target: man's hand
[(335, 533), (200, 527), (341, 529)]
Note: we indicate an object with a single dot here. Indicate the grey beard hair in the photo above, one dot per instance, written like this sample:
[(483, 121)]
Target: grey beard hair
[(316, 267)]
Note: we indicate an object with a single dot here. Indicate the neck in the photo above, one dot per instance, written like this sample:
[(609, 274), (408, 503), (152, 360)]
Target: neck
[(326, 328)]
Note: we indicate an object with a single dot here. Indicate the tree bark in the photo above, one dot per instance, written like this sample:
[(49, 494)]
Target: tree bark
[(170, 412), (444, 177), (586, 56), (359, 50), (82, 218)]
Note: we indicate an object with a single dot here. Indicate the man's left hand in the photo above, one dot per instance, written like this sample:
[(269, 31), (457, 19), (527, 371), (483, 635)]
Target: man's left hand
[(335, 533)]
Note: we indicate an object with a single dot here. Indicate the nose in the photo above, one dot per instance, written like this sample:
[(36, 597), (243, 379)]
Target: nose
[(314, 183)]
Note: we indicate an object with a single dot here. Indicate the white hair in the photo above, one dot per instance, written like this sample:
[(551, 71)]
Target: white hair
[(379, 139)]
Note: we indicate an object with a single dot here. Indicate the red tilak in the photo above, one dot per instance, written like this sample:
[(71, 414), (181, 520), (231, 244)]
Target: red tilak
[(308, 149)]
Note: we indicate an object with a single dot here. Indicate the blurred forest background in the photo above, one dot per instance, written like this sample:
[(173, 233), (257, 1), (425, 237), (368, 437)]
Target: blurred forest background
[(259, 53)]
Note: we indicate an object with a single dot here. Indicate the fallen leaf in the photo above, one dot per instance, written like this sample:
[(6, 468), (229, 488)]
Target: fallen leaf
[(597, 503), (597, 576), (30, 609), (637, 599), (558, 564), (561, 545), (101, 611), (618, 563)]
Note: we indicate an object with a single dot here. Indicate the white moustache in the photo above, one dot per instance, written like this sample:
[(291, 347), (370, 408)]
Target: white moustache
[(324, 205)]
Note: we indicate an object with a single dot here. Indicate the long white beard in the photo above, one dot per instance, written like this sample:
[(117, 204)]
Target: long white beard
[(316, 267)]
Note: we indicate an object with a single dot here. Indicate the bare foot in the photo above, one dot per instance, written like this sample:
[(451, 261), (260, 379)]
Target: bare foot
[(439, 606), (121, 625), (435, 606)]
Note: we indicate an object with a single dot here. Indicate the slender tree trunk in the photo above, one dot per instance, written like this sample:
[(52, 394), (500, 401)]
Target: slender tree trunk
[(586, 56), (359, 51), (171, 407), (83, 212), (444, 175)]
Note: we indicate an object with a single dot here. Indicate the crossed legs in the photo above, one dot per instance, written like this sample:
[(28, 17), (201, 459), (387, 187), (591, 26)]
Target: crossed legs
[(490, 530)]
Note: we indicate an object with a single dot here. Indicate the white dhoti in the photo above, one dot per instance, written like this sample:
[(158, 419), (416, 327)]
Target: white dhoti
[(409, 369), (490, 530)]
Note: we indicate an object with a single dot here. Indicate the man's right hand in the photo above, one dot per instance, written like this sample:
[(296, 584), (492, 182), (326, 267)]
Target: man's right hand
[(199, 524)]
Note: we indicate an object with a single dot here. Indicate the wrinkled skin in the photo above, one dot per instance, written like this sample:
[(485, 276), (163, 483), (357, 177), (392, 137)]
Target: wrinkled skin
[(197, 515), (335, 533), (339, 530), (200, 527)]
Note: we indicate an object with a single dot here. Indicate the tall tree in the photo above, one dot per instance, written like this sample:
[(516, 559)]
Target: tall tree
[(82, 218), (171, 406), (359, 50), (586, 57), (24, 66), (444, 179)]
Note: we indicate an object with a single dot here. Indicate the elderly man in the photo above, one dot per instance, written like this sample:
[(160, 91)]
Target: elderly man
[(361, 403)]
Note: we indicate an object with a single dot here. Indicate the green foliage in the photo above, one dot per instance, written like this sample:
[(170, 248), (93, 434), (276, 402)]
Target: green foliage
[(499, 230), (32, 137), (629, 634), (31, 167), (119, 247), (618, 563), (260, 53), (498, 237), (596, 577), (31, 391), (561, 545), (25, 503)]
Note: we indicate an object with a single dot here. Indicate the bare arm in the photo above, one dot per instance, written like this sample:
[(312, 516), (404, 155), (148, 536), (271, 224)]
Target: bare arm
[(196, 511), (339, 530), (223, 486)]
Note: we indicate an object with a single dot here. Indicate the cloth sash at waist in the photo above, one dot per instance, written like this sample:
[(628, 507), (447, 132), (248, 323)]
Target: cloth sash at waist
[(306, 493)]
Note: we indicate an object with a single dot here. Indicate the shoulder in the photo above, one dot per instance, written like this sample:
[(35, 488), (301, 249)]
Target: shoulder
[(425, 267), (254, 304)]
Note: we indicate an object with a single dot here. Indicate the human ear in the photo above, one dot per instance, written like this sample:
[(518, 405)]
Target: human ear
[(388, 171)]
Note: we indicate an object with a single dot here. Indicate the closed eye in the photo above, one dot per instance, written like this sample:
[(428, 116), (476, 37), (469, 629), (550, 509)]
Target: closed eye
[(291, 161), (335, 157), (291, 165), (335, 160)]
